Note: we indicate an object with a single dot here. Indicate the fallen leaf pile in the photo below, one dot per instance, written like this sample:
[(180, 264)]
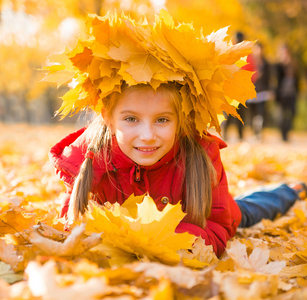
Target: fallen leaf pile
[(95, 260)]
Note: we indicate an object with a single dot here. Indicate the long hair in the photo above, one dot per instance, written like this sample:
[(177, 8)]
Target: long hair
[(99, 139), (199, 172)]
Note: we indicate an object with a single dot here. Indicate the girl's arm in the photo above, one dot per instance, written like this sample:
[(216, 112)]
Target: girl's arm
[(65, 198)]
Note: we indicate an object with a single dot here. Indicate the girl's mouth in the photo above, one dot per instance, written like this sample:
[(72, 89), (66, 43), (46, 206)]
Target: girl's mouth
[(146, 149)]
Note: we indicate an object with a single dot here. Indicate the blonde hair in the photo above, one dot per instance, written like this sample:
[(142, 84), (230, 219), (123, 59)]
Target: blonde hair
[(200, 174)]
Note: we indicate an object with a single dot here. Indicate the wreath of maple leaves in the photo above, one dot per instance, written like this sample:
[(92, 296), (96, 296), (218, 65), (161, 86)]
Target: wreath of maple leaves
[(119, 49)]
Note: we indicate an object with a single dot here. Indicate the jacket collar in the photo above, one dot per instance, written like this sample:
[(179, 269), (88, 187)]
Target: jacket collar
[(69, 153)]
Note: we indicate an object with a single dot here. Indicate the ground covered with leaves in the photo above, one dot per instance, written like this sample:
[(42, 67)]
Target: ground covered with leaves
[(39, 260)]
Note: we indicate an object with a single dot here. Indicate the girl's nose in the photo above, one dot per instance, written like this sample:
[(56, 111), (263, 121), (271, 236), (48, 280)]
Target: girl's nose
[(147, 133)]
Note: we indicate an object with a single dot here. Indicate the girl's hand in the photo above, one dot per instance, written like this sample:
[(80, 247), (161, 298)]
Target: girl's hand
[(67, 226)]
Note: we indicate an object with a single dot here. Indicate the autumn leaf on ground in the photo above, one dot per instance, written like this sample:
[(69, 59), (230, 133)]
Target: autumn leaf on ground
[(180, 275), (42, 282), (199, 253), (163, 290), (50, 217), (9, 255), (86, 281), (8, 275), (294, 271), (50, 232), (141, 229), (257, 261), (76, 244), (235, 286), (4, 289), (15, 220)]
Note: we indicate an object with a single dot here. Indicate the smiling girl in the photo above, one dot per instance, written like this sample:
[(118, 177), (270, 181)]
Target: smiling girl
[(150, 136), (144, 130)]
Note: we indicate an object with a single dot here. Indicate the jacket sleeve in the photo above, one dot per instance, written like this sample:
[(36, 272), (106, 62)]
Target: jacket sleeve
[(225, 214), (65, 170)]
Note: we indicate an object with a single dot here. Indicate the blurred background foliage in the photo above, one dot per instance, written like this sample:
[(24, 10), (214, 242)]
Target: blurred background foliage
[(30, 30)]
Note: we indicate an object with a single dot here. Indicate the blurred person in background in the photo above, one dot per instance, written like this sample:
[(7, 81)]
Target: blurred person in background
[(261, 79), (242, 110), (287, 89)]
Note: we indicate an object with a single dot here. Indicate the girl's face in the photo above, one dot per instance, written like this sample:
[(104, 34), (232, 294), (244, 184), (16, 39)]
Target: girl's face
[(145, 125)]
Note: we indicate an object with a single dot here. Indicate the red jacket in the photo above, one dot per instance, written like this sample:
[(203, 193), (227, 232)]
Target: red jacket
[(163, 179)]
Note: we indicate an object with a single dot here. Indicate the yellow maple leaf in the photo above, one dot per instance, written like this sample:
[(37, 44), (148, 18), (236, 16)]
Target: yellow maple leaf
[(59, 76), (141, 67), (140, 228), (83, 60), (15, 220), (239, 86), (235, 52), (60, 71), (69, 100), (128, 47)]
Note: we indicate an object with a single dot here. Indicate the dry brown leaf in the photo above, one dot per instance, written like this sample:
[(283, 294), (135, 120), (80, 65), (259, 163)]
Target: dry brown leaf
[(76, 244), (50, 232)]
